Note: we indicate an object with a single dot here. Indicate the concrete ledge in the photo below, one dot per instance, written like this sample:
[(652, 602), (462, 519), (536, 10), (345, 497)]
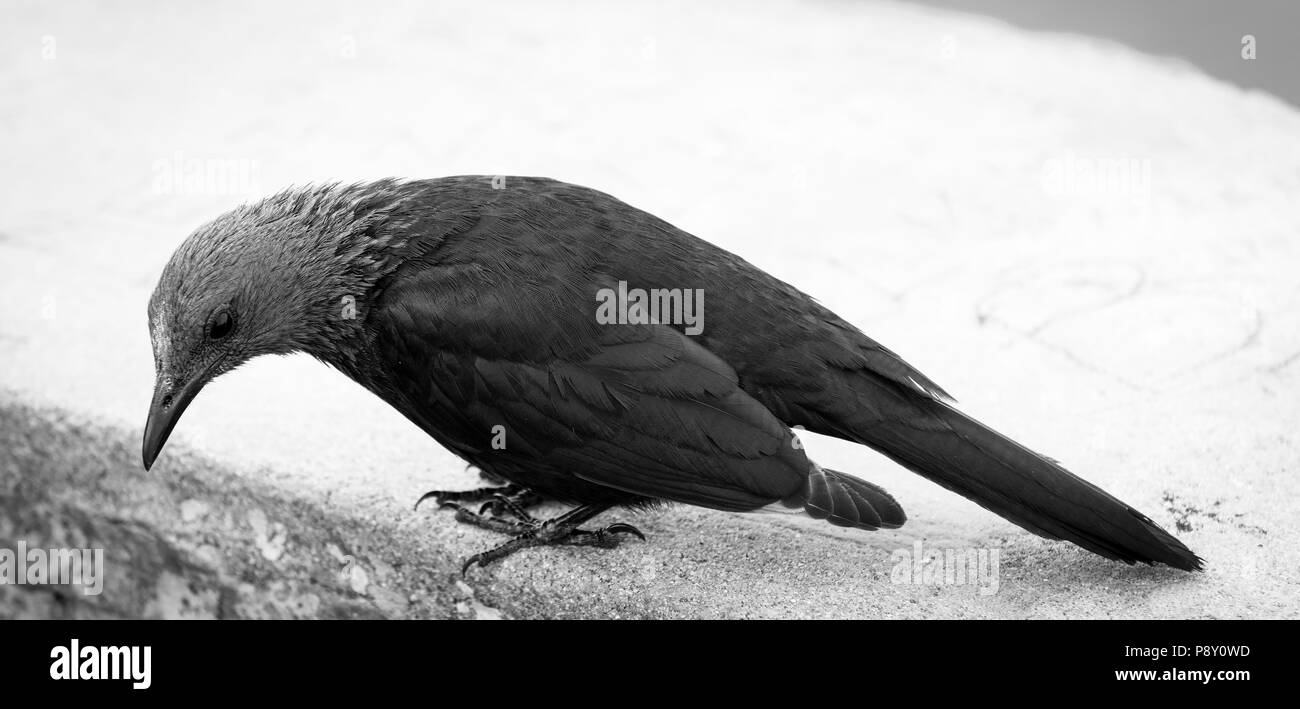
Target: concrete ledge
[(196, 542), (193, 540)]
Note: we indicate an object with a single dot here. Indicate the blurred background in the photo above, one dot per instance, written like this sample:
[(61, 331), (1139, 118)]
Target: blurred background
[(1199, 32)]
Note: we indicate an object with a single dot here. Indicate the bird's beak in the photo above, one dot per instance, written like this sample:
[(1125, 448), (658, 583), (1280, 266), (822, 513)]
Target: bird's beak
[(169, 403)]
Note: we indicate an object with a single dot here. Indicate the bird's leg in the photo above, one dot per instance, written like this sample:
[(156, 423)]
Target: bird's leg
[(558, 530)]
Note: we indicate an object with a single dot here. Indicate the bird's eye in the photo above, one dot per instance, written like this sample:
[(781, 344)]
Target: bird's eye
[(220, 325)]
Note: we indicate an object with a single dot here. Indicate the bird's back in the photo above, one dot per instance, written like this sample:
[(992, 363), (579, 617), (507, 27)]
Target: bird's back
[(498, 290)]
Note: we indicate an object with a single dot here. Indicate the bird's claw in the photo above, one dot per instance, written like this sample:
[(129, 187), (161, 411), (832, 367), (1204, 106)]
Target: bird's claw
[(606, 537), (624, 528), (500, 498), (425, 496), (441, 497), (476, 559), (538, 533), (515, 506)]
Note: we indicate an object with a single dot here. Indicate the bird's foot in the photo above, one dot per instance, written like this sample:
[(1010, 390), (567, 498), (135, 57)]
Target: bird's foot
[(500, 500), (532, 532)]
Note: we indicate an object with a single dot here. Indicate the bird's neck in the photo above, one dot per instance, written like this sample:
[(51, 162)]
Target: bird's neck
[(361, 241)]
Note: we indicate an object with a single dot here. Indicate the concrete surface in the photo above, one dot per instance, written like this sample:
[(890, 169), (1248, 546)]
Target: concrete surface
[(925, 175)]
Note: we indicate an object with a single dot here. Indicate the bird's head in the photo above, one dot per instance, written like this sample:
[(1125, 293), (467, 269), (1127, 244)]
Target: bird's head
[(285, 275)]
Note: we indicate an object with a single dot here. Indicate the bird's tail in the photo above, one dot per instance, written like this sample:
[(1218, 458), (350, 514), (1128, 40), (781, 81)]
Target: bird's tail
[(847, 501), (1026, 488)]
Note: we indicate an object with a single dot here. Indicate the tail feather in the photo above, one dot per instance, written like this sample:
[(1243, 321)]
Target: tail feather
[(1026, 488), (849, 502)]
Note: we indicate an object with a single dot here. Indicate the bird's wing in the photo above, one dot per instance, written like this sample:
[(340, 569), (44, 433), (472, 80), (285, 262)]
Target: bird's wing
[(639, 408)]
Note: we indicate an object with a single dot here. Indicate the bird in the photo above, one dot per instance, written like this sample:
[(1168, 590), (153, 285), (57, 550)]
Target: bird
[(507, 318)]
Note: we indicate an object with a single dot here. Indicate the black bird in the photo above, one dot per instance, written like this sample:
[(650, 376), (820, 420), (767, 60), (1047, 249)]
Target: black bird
[(472, 305)]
